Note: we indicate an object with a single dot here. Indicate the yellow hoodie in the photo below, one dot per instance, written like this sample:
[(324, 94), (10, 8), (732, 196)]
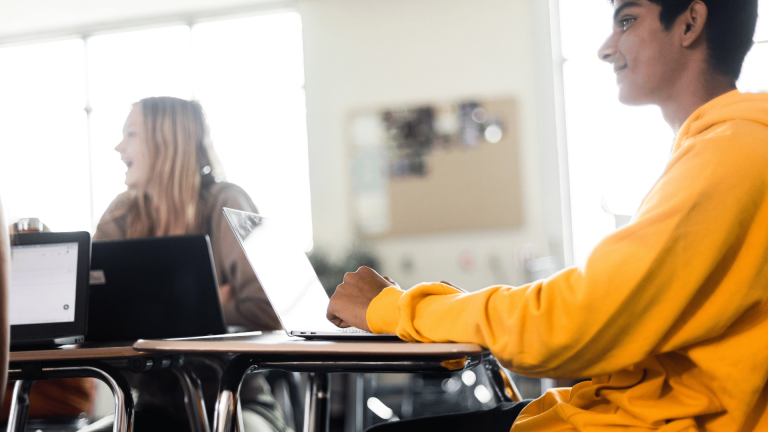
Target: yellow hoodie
[(668, 316)]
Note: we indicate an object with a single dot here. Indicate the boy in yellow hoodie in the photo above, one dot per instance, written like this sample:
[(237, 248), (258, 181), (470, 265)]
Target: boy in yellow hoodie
[(669, 315)]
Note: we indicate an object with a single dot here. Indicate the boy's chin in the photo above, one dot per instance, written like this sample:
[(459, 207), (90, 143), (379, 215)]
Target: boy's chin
[(628, 97)]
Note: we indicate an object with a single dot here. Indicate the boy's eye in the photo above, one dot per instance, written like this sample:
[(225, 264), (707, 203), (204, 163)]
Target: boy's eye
[(624, 22)]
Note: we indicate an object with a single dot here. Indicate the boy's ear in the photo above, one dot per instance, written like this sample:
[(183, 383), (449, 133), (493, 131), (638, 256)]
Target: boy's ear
[(694, 19)]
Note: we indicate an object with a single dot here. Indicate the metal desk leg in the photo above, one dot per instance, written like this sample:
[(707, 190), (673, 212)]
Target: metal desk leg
[(227, 415), (318, 406), (17, 418), (193, 399), (502, 383)]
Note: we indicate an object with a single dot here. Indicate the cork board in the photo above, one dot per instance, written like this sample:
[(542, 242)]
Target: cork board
[(417, 172)]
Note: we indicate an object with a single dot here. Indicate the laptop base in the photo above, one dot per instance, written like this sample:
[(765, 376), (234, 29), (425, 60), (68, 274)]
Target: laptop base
[(322, 335), (28, 345)]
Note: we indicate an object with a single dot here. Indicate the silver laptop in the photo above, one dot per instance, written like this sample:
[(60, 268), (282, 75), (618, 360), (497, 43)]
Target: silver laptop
[(288, 279)]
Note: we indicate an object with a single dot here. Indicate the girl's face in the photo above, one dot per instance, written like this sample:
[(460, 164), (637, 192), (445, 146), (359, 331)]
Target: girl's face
[(133, 149)]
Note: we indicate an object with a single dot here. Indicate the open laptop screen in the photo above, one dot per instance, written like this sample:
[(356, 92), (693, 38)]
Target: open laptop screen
[(285, 274), (49, 283), (153, 288), (43, 283)]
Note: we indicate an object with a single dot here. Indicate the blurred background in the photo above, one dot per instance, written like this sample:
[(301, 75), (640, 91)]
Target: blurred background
[(289, 85)]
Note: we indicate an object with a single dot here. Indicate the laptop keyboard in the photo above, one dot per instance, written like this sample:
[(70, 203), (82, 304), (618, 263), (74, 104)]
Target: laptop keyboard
[(352, 330)]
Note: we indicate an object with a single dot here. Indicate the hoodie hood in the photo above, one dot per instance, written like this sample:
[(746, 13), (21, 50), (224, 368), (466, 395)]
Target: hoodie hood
[(733, 105)]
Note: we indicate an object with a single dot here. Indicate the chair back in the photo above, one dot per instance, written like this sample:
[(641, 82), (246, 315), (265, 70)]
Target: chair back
[(5, 282)]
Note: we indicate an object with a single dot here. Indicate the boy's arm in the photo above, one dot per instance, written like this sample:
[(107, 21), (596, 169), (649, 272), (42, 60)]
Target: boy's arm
[(680, 273)]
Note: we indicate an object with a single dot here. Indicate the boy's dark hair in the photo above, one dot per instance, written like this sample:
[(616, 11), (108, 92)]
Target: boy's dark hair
[(730, 28)]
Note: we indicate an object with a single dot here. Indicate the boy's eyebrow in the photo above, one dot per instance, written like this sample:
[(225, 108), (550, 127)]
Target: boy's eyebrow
[(624, 6)]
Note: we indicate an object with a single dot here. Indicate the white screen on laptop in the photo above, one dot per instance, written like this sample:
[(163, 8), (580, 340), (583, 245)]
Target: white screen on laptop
[(43, 283), (284, 271)]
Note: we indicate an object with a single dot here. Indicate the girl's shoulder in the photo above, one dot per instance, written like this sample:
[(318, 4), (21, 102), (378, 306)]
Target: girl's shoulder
[(120, 203), (112, 224), (224, 194), (223, 189)]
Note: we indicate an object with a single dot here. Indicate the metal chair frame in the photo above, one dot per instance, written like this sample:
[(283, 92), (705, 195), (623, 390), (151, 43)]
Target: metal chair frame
[(28, 373), (228, 417)]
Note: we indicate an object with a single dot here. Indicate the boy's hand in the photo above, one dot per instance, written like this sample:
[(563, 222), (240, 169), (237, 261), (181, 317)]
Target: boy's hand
[(350, 302)]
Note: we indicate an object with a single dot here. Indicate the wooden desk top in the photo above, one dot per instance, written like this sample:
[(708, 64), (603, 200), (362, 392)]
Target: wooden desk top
[(278, 343), (87, 351)]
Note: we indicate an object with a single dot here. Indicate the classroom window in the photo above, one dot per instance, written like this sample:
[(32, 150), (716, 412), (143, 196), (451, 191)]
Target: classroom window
[(43, 134), (615, 153), (63, 104)]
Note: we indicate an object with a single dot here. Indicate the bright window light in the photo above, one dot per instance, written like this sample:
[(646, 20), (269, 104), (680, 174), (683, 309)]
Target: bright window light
[(753, 77), (248, 74), (44, 170), (615, 153), (251, 86), (761, 33), (584, 26)]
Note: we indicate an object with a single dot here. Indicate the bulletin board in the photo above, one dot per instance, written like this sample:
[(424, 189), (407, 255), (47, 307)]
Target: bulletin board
[(436, 168)]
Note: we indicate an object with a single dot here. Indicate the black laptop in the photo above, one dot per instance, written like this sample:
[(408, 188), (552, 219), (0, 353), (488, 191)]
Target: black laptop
[(48, 291), (153, 288)]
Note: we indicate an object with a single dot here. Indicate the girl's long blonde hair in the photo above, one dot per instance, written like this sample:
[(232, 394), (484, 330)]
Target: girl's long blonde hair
[(182, 161)]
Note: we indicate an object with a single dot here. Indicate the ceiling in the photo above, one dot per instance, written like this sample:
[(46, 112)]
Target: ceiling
[(34, 19)]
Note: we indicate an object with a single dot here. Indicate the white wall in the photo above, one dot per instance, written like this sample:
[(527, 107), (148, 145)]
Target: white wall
[(374, 53)]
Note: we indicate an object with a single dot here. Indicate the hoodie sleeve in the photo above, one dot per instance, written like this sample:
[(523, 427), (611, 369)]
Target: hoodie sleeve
[(681, 272)]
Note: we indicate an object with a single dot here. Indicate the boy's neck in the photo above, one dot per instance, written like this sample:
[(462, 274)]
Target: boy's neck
[(693, 94)]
